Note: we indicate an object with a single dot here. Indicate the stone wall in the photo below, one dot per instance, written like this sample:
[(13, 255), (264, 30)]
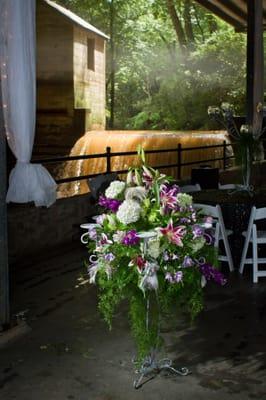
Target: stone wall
[(33, 230)]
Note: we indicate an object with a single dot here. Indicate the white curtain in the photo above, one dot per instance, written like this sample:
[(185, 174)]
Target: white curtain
[(27, 182)]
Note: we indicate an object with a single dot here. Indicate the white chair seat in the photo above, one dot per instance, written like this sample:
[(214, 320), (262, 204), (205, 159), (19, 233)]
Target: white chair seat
[(228, 232), (226, 186), (254, 237), (261, 236), (190, 188)]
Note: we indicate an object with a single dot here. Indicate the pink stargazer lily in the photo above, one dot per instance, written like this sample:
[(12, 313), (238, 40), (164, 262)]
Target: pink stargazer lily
[(174, 235), (147, 177), (168, 196)]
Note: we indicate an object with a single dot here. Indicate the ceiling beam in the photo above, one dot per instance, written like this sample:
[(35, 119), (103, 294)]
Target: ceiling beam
[(231, 7), (239, 25)]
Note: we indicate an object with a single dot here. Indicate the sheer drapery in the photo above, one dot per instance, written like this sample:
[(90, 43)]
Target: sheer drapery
[(27, 182)]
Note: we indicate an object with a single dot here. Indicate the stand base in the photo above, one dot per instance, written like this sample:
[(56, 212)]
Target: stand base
[(151, 368)]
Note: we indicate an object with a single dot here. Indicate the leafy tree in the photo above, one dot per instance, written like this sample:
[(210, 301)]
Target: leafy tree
[(167, 61)]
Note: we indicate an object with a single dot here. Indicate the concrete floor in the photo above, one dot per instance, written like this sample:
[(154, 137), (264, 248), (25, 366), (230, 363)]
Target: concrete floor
[(70, 354)]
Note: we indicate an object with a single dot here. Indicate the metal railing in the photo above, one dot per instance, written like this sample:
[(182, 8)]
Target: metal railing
[(108, 155)]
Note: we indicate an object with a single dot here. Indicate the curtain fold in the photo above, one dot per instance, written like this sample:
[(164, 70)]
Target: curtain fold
[(27, 182)]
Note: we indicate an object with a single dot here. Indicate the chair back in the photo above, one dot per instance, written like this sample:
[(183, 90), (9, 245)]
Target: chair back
[(100, 183), (190, 188), (259, 213), (211, 211), (220, 233)]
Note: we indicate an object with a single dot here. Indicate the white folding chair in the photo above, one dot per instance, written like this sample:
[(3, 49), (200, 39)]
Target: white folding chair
[(254, 237), (227, 186), (221, 233), (190, 188)]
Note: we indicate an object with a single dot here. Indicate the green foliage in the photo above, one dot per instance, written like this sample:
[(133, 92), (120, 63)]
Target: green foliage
[(156, 86)]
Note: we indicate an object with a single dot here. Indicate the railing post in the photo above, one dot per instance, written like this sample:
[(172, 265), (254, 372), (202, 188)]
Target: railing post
[(224, 154), (108, 160), (179, 160)]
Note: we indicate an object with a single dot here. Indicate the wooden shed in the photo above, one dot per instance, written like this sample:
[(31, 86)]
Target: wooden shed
[(70, 78)]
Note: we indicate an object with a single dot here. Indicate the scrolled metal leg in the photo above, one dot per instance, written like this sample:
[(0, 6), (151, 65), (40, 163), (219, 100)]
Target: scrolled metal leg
[(151, 368)]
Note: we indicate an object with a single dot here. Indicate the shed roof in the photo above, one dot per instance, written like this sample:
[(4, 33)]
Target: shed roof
[(232, 11), (75, 18)]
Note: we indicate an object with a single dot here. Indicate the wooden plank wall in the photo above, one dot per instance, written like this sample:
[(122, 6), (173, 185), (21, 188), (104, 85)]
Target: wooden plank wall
[(89, 85)]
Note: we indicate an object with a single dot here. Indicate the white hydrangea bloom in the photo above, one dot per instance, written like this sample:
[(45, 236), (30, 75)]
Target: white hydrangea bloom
[(128, 212), (136, 193), (184, 199), (154, 248), (114, 189)]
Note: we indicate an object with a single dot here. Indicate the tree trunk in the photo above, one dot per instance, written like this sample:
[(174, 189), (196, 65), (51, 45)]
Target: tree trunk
[(198, 22), (181, 37), (212, 23), (188, 23)]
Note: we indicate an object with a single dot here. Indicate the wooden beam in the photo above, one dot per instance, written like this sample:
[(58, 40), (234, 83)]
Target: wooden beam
[(4, 272), (238, 23), (255, 64), (233, 9)]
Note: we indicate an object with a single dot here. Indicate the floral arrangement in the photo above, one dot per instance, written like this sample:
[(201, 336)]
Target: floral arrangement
[(153, 249), (247, 139)]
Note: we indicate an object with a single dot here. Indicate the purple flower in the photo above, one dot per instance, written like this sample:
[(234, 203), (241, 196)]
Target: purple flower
[(184, 220), (211, 273), (197, 231), (130, 238), (109, 257), (188, 262), (168, 277), (92, 233), (111, 204), (178, 276), (100, 218), (166, 256), (174, 278)]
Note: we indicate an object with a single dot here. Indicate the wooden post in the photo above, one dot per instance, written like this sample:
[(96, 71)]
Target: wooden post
[(4, 272), (108, 160), (255, 57), (224, 154), (112, 64), (179, 160)]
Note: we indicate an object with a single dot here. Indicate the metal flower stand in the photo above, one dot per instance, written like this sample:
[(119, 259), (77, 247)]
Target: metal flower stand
[(152, 367)]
